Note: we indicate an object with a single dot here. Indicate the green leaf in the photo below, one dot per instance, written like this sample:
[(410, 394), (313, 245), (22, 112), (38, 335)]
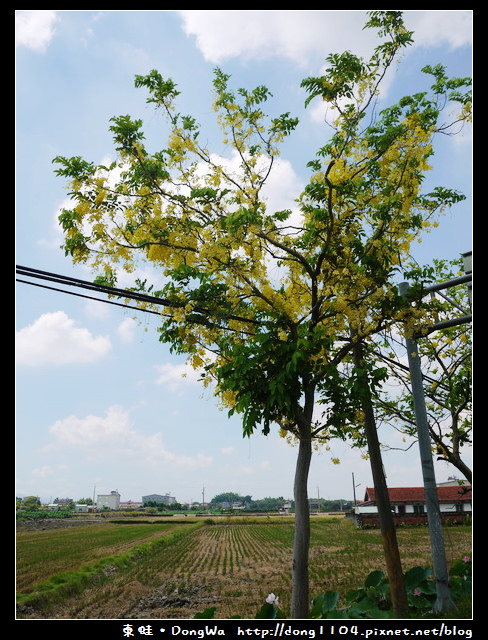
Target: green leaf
[(208, 613), (374, 579), (266, 611), (415, 576), (324, 604)]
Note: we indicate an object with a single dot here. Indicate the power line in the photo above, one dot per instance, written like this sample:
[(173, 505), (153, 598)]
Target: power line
[(76, 282), (201, 314), (121, 293), (80, 295)]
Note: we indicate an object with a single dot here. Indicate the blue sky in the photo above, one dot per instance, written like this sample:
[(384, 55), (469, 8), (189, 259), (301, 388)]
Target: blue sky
[(100, 403)]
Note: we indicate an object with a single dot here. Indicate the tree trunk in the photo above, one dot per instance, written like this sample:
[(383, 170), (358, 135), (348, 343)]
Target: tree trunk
[(387, 525), (452, 455), (301, 541)]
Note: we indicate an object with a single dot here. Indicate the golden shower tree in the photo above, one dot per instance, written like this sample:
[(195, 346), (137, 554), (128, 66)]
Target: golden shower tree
[(268, 304)]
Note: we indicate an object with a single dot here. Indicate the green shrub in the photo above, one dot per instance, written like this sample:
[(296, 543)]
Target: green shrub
[(41, 514)]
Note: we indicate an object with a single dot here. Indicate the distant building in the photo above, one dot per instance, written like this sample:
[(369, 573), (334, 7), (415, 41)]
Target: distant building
[(158, 499), (109, 501), (83, 508), (130, 505), (408, 504)]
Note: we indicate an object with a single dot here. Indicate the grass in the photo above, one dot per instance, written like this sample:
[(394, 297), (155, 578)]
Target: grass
[(175, 569), (42, 554)]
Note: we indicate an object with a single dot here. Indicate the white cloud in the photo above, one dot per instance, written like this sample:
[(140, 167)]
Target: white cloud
[(55, 339), (126, 330), (282, 186), (114, 438), (246, 470), (440, 28), (262, 34), (176, 375), (228, 451), (43, 472), (297, 35), (93, 430), (34, 29), (94, 310)]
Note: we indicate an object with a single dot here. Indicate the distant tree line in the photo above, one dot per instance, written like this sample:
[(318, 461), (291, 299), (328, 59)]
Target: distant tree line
[(34, 502), (227, 501), (230, 500), (161, 506)]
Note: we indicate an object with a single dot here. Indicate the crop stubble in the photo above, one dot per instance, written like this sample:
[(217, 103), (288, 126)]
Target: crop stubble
[(234, 566)]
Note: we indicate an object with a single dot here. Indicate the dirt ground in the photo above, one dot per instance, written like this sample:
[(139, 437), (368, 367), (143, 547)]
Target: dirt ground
[(136, 601), (55, 523), (150, 592)]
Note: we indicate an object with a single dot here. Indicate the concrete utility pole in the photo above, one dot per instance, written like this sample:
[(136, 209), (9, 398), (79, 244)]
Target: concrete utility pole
[(444, 601), (354, 489)]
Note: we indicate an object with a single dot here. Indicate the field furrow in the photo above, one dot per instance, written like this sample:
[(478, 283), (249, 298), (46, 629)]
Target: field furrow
[(228, 564)]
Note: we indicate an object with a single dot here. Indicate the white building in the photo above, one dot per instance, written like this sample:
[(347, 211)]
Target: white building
[(155, 497), (109, 500), (83, 508), (408, 504)]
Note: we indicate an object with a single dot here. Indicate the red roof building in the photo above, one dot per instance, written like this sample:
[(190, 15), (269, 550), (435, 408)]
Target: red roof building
[(408, 504)]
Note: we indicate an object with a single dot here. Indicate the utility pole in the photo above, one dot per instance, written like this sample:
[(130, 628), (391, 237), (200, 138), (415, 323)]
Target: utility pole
[(354, 489), (444, 601)]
